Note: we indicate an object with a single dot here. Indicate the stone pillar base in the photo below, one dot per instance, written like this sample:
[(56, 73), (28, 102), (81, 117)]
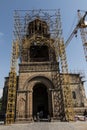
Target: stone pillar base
[(55, 119), (30, 119)]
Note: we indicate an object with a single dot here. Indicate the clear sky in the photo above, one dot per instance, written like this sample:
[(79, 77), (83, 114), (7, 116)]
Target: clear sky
[(75, 54)]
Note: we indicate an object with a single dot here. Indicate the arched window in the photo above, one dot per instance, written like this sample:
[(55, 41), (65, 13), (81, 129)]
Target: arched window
[(74, 95), (39, 53)]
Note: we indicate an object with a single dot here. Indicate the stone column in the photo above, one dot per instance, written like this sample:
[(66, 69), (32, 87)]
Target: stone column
[(30, 97), (53, 102), (27, 106), (17, 114), (50, 102)]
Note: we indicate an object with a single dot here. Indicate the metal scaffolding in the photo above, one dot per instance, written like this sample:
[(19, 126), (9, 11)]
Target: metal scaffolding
[(22, 18), (12, 84)]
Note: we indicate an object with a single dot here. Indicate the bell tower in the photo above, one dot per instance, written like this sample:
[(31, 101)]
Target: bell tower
[(39, 85), (37, 45)]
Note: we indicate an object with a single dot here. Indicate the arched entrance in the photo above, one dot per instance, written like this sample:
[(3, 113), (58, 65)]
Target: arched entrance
[(40, 100)]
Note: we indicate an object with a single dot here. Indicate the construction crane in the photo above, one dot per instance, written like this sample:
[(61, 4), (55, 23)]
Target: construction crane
[(82, 26)]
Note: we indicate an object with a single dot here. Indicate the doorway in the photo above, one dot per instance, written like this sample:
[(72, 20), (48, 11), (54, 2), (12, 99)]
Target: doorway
[(40, 101)]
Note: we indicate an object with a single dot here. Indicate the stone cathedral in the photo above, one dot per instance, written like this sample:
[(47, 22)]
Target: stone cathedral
[(39, 76)]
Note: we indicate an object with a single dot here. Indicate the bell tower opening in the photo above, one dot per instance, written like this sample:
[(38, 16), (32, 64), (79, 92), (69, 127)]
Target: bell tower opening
[(40, 101), (39, 53)]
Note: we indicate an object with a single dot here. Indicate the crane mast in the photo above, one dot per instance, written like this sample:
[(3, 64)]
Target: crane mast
[(83, 32)]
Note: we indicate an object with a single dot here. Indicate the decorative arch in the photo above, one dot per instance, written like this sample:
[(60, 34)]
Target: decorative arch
[(31, 81), (44, 81)]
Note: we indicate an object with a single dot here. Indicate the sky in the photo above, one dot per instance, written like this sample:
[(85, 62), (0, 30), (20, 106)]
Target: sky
[(68, 9)]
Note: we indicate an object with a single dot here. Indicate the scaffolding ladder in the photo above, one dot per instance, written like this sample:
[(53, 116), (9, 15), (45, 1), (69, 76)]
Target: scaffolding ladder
[(10, 112), (12, 84), (57, 96), (68, 103)]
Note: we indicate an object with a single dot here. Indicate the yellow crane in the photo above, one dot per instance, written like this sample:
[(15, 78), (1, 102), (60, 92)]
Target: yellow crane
[(82, 26)]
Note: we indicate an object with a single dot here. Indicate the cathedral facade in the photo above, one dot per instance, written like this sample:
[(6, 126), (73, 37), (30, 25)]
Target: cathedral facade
[(39, 83)]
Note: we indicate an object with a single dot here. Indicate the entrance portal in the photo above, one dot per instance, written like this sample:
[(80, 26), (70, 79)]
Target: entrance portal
[(40, 100)]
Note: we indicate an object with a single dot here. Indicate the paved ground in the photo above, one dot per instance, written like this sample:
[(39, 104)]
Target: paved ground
[(47, 126)]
